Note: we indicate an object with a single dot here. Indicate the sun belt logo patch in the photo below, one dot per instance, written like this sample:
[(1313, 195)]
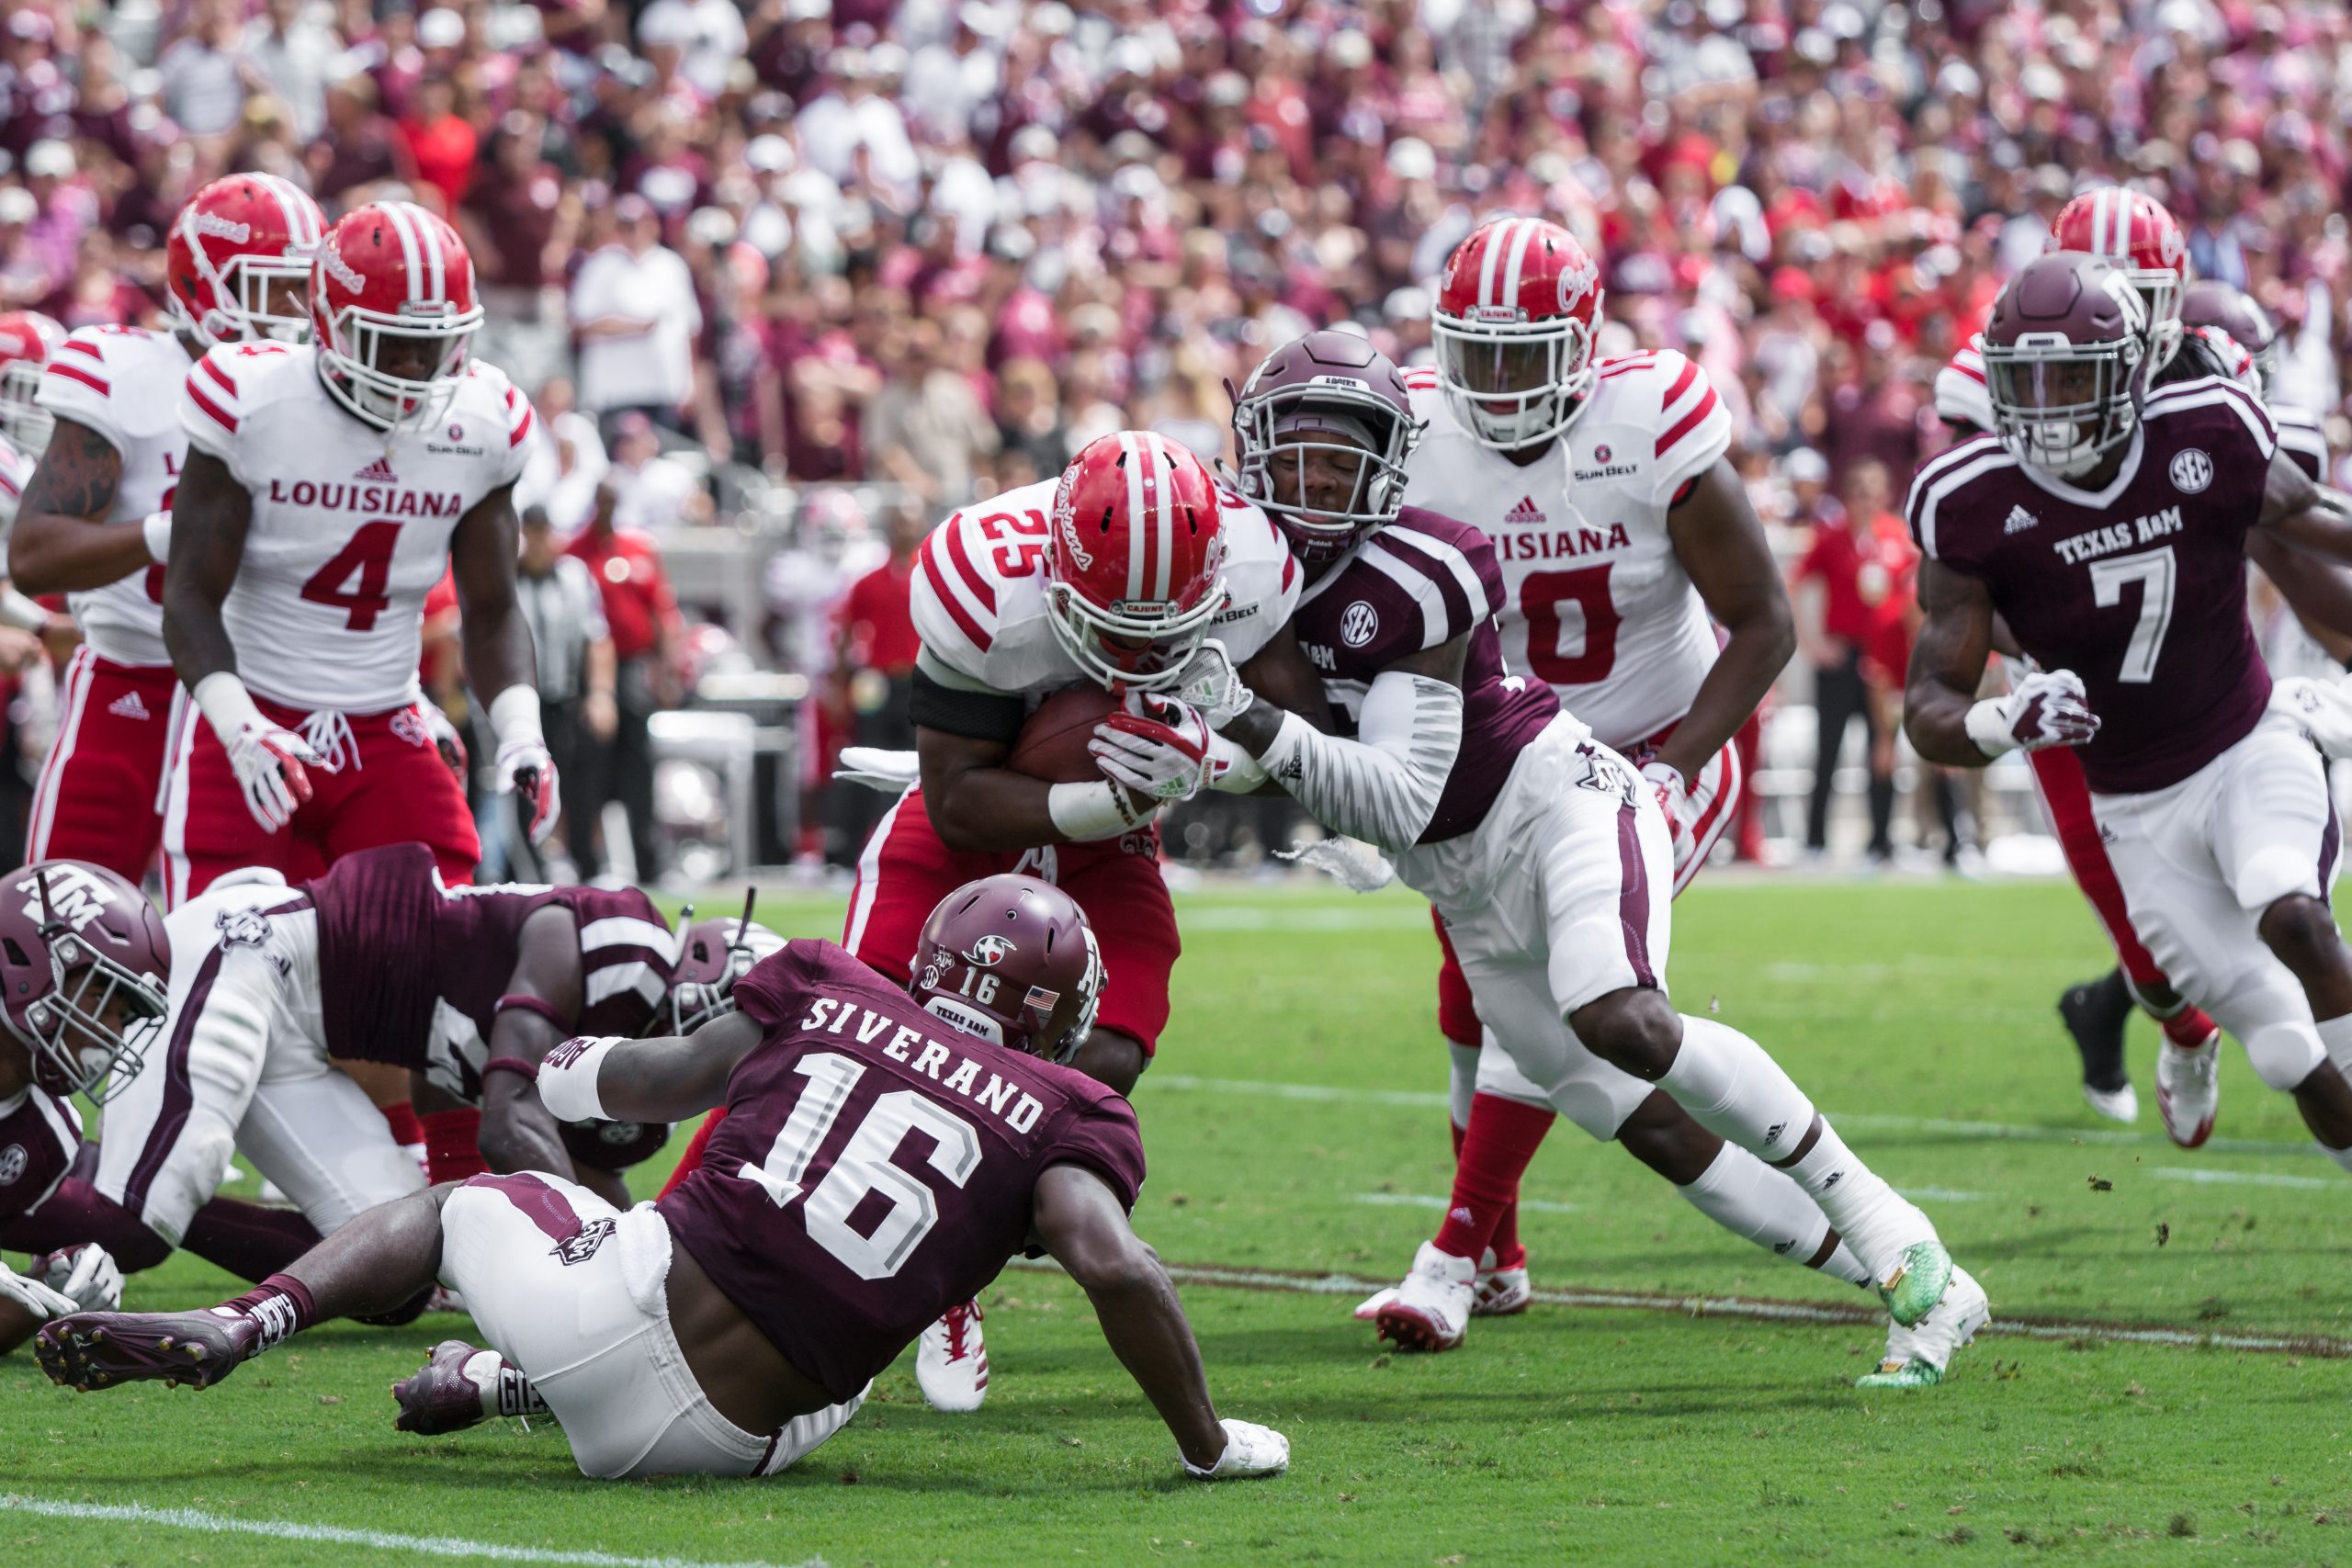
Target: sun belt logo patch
[(989, 951), (2191, 470)]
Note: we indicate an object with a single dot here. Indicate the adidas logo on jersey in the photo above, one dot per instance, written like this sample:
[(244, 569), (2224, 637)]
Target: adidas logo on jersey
[(1525, 512), (378, 472), (2020, 521), (128, 706)]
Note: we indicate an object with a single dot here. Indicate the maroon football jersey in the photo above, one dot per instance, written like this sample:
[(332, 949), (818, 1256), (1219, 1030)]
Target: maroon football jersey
[(2139, 589), (41, 1137), (411, 972), (1422, 580), (876, 1165)]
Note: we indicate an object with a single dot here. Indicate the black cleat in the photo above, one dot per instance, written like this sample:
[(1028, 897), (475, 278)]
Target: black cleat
[(2095, 1013)]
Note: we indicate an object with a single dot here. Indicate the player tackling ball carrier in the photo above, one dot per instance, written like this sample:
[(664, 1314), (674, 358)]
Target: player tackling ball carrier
[(736, 1325), (1547, 855), (2109, 527)]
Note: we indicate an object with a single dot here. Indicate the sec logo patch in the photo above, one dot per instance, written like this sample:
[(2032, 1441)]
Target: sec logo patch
[(2191, 470), (1359, 623), (13, 1161)]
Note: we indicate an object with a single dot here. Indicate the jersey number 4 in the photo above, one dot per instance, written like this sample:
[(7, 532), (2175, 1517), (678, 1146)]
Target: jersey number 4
[(368, 559), (864, 1168), (2155, 573), (1551, 600)]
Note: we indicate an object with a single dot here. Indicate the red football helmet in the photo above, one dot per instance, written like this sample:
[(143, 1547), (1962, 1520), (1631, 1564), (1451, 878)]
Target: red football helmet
[(1517, 309), (1134, 566), (237, 246), (2139, 236), (392, 308), (1012, 959), (86, 971), (27, 340)]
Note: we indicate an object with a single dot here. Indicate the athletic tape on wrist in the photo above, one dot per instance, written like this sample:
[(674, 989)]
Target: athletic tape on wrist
[(567, 1078)]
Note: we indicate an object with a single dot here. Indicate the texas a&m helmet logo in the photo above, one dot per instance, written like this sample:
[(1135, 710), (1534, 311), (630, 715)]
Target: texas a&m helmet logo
[(76, 896), (989, 951)]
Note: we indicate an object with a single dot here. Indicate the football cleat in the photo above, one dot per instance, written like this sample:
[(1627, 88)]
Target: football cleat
[(442, 1395), (2188, 1089), (1500, 1291), (2095, 1013), (952, 1360), (1919, 1356), (99, 1350), (1920, 1279), (1432, 1308)]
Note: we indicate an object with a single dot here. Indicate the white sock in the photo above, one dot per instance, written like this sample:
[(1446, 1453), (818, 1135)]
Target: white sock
[(2335, 1035), (1733, 1088), (505, 1390), (1462, 1083), (1756, 1202)]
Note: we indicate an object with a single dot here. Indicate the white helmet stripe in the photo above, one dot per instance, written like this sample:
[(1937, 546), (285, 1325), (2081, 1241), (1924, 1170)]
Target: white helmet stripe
[(1165, 523), (294, 207), (1497, 236), (1518, 243), (428, 237), (1134, 467), (412, 260)]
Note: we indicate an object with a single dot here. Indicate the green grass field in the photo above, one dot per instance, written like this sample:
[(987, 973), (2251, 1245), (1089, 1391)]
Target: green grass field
[(1295, 1125)]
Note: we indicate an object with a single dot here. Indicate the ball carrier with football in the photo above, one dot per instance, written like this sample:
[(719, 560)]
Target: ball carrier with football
[(1054, 619)]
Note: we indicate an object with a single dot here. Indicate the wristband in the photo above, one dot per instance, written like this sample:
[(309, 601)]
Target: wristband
[(1988, 725), (22, 612), (527, 1071), (157, 531), (514, 717), (540, 1005), (227, 705), (567, 1078), (1084, 813), (1280, 758)]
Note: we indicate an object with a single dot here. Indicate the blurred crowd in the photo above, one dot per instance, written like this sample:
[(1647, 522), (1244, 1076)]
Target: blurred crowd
[(936, 245)]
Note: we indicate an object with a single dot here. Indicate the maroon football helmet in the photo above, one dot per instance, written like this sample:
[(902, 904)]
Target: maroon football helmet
[(2209, 302), (1333, 393), (712, 955), (87, 970), (2065, 361), (1012, 959)]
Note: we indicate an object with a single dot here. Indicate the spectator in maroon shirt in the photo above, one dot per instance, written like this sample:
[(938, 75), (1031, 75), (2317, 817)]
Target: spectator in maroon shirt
[(361, 151), (521, 223)]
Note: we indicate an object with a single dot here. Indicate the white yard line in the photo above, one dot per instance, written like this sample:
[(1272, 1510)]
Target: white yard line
[(287, 1530), (1854, 1316), (2206, 1177), (1847, 1122), (1435, 1200)]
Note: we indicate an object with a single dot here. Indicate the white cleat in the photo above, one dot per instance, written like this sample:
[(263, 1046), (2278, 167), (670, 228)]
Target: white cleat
[(1500, 1293), (952, 1363), (2115, 1104), (1432, 1308), (1919, 1357), (2188, 1089)]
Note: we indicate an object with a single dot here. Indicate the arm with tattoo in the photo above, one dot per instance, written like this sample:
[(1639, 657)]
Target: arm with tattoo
[(60, 545)]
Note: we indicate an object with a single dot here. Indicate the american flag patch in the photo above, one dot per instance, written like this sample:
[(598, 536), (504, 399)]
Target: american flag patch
[(1042, 999)]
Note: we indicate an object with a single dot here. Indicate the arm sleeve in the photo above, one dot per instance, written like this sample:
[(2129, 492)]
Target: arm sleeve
[(1383, 785), (960, 710)]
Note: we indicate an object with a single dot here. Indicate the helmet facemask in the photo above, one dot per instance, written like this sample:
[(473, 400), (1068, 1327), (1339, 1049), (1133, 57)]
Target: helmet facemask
[(23, 420), (247, 291), (1513, 383), (1286, 434), (2061, 406), (2159, 291), (431, 343), (93, 1026), (1142, 645)]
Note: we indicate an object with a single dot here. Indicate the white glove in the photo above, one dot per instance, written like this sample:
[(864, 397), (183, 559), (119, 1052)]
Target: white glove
[(1250, 1450), (35, 1297), (2048, 707), (522, 761), (1212, 685), (85, 1275), (889, 772), (1232, 769), (2323, 709), (1161, 750), (1673, 792), (269, 759)]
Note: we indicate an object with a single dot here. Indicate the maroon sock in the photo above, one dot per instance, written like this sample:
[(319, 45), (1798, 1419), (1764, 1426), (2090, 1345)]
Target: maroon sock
[(249, 1241), (453, 1145), (1501, 1141), (280, 1305)]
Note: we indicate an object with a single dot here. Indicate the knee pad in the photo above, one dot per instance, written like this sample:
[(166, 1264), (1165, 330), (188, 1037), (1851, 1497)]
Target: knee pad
[(2284, 1054), (2271, 874)]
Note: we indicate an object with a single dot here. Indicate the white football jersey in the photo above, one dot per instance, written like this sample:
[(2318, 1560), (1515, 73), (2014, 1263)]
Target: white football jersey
[(1961, 395), (979, 591), (123, 383), (350, 525), (16, 469), (1597, 604)]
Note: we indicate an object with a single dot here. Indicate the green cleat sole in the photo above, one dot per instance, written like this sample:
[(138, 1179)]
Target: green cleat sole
[(1918, 1282), (1913, 1373)]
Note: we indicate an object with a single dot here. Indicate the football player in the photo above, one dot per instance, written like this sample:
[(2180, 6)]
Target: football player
[(27, 340), (767, 1273), (1112, 575), (2108, 526), (463, 988), (95, 522), (1548, 856), (327, 485), (1625, 540)]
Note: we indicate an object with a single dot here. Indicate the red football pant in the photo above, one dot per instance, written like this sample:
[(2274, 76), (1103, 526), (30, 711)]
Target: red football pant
[(390, 788), (2066, 801), (99, 798)]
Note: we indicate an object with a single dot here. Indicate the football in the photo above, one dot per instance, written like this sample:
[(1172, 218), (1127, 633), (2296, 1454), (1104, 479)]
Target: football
[(1052, 744)]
